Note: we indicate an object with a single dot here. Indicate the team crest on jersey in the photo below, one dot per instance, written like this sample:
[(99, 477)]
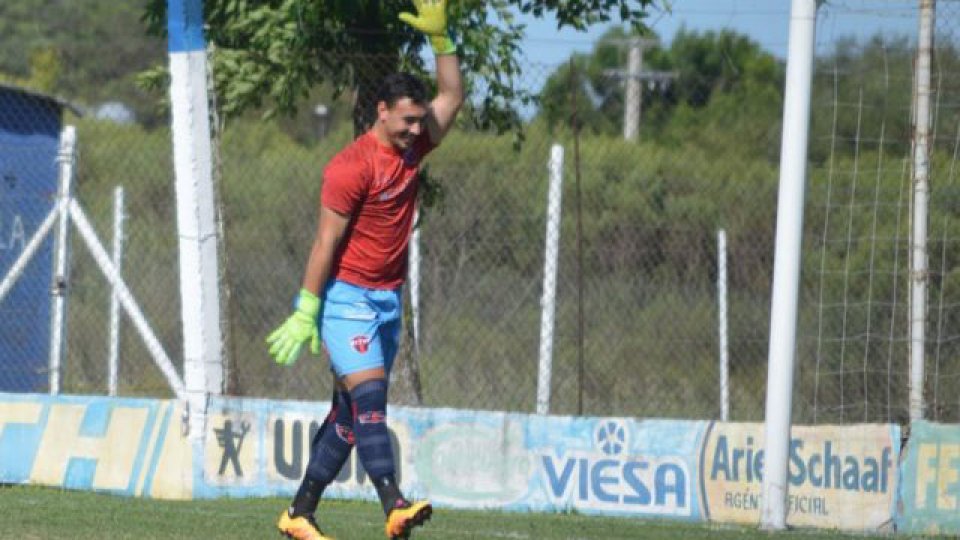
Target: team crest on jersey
[(361, 344)]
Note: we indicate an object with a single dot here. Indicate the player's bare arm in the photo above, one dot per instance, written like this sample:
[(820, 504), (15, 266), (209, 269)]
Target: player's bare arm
[(331, 227), (444, 107), (431, 19), (301, 327)]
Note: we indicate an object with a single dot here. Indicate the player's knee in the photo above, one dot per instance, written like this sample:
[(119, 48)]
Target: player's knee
[(369, 402)]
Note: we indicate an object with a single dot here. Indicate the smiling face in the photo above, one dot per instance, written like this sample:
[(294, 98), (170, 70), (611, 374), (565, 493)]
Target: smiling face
[(401, 123)]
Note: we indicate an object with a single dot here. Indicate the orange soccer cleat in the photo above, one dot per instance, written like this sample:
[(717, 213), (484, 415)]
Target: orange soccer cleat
[(300, 527), (405, 517)]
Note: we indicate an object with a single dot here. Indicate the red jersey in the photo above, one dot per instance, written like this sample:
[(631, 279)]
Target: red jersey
[(376, 184)]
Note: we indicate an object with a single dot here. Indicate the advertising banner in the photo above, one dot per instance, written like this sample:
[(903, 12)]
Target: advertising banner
[(612, 466), (931, 480), (842, 477), (468, 459), (116, 445), (257, 447)]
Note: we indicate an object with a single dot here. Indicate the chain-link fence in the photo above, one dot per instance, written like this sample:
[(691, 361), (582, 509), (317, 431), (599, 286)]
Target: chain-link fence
[(636, 328), (652, 173)]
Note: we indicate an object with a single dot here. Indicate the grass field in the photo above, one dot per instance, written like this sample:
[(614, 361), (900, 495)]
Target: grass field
[(29, 513)]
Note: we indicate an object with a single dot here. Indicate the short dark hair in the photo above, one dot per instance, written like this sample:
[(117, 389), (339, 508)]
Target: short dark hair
[(397, 86)]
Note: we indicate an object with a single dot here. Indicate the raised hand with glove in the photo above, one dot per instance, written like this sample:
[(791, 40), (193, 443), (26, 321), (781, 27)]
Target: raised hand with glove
[(285, 341), (431, 19)]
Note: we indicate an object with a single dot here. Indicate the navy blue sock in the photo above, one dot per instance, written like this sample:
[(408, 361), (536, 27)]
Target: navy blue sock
[(373, 439), (328, 452)]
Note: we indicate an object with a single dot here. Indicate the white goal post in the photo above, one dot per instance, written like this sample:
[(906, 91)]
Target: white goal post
[(196, 215), (786, 266), (787, 262)]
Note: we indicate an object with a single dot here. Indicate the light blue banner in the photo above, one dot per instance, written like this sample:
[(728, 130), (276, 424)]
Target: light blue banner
[(77, 442), (931, 480), (469, 459), (487, 460)]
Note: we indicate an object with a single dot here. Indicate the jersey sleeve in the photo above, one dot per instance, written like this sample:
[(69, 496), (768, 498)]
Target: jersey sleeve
[(345, 184)]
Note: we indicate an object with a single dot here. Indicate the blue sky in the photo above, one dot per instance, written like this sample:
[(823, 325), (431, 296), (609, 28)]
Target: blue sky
[(765, 21)]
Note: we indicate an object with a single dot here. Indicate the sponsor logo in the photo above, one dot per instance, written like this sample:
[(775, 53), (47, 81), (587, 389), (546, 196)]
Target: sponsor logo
[(372, 417), (611, 478), (820, 466), (938, 476), (838, 476), (405, 183), (360, 344), (466, 463), (231, 440)]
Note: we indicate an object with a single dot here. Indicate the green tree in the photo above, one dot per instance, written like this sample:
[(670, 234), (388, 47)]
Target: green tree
[(44, 72), (87, 51), (271, 53), (708, 66), (726, 84), (712, 63), (583, 84), (859, 88)]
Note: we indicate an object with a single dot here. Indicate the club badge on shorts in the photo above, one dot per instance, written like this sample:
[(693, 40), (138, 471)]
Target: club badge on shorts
[(361, 344)]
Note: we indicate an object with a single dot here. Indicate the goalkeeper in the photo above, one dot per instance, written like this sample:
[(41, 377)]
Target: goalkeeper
[(351, 287)]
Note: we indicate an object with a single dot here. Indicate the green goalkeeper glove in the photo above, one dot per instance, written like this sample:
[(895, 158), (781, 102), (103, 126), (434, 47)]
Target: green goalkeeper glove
[(432, 21), (285, 341)]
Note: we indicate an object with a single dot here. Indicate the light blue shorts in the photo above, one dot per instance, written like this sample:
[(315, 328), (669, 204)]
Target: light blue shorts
[(360, 327)]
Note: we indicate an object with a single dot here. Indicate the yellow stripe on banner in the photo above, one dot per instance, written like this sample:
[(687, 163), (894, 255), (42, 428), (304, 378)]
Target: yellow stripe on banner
[(19, 413), (173, 477)]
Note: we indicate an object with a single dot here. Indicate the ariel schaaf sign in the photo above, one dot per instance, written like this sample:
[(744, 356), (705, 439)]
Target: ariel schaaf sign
[(841, 477)]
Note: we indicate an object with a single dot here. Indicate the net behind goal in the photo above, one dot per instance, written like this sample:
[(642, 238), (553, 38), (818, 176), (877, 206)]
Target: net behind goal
[(854, 320)]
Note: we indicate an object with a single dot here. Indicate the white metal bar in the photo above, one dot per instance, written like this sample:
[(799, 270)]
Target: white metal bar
[(114, 340), (66, 159), (921, 195), (126, 299), (550, 266), (722, 325), (786, 266), (28, 252), (415, 284)]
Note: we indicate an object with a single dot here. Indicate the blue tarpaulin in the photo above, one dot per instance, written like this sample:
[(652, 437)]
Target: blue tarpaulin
[(29, 140)]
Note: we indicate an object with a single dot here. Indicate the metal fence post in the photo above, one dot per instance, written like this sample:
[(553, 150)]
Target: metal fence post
[(66, 159), (118, 217), (722, 324), (549, 302)]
